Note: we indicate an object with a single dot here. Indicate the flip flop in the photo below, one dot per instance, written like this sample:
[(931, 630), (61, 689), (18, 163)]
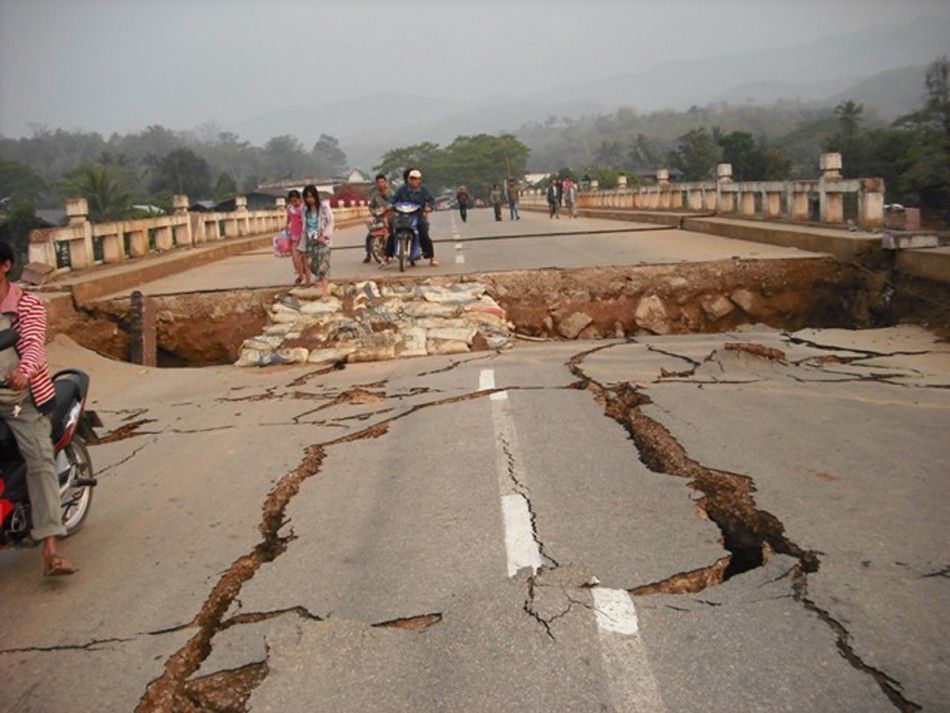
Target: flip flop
[(58, 566)]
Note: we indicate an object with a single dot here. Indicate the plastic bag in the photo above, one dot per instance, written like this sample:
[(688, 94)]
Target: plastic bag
[(282, 244)]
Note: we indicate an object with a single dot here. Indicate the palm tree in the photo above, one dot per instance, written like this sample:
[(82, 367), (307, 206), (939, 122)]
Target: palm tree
[(849, 117), (103, 188)]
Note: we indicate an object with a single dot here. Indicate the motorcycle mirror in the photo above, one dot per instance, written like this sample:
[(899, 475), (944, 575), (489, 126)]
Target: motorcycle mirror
[(8, 338)]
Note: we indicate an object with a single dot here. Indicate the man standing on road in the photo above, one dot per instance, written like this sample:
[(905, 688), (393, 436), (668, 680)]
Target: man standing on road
[(414, 192), (462, 198), (495, 198), (513, 196), (29, 421), (570, 196), (554, 197)]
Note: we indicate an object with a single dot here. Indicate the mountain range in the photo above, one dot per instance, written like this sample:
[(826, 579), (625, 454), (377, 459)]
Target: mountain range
[(882, 67)]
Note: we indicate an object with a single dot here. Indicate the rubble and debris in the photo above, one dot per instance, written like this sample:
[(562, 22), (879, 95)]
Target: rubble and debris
[(369, 324)]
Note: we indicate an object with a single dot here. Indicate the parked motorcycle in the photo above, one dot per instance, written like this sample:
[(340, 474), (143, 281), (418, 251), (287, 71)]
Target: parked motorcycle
[(406, 232), (72, 428)]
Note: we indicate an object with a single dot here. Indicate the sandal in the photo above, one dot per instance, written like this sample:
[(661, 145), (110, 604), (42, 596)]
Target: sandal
[(298, 280), (57, 566)]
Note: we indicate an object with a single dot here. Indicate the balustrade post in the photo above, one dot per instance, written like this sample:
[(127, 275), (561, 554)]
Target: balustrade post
[(830, 201), (694, 198), (183, 233), (725, 202), (676, 195), (164, 239), (772, 201), (871, 203), (747, 203), (240, 207), (80, 245), (113, 244)]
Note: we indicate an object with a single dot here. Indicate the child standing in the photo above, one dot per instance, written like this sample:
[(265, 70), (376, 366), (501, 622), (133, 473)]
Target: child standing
[(294, 228), (318, 232)]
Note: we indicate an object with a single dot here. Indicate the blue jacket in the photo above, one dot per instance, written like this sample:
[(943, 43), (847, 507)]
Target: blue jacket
[(420, 197)]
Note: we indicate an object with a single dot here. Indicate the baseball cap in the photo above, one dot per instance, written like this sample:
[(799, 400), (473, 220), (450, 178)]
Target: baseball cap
[(415, 174)]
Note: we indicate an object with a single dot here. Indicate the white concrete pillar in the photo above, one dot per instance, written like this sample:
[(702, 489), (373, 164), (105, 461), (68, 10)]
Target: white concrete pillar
[(113, 244), (871, 203), (747, 204), (182, 231), (80, 246), (694, 199), (164, 239), (773, 204)]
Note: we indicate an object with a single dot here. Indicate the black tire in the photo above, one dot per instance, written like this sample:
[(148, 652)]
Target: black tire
[(77, 501), (404, 242), (378, 249)]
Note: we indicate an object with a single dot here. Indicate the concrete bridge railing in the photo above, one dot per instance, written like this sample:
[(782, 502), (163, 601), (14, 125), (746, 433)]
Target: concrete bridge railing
[(82, 244), (830, 199)]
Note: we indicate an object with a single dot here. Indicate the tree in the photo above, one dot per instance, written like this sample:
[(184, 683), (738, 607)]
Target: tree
[(20, 183), (20, 219), (225, 187), (284, 157), (849, 139), (480, 161), (182, 172), (696, 155), (104, 187), (928, 172), (327, 150), (395, 161)]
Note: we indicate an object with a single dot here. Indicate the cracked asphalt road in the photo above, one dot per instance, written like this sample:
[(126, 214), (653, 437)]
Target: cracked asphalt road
[(302, 539)]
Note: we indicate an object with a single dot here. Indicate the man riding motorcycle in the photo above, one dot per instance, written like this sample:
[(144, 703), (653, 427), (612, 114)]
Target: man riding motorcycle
[(414, 192), (379, 198)]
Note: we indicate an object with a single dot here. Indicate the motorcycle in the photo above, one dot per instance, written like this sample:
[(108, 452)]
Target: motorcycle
[(377, 235), (72, 429), (406, 233)]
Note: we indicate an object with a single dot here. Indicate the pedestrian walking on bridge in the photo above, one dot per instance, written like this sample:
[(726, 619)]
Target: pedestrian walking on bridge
[(495, 198), (513, 196), (462, 198), (554, 197)]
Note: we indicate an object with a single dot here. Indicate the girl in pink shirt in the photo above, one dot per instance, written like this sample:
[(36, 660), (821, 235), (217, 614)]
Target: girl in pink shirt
[(294, 229)]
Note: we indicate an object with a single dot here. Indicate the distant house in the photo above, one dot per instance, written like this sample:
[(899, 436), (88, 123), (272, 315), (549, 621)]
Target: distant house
[(356, 177), (533, 179), (256, 200)]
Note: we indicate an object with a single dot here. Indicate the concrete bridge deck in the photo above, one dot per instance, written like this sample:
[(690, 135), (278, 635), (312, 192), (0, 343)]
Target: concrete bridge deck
[(484, 245)]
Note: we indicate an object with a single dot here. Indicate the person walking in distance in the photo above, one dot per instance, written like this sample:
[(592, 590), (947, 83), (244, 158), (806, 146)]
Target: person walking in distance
[(462, 198), (554, 197), (29, 421), (318, 232), (412, 191), (569, 189), (513, 197), (495, 198)]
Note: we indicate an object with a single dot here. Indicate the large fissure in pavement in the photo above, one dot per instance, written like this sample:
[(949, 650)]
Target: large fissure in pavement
[(205, 328), (749, 534), (175, 691)]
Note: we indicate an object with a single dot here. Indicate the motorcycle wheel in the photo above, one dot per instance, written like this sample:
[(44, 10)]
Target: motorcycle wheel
[(378, 249), (403, 251), (76, 500)]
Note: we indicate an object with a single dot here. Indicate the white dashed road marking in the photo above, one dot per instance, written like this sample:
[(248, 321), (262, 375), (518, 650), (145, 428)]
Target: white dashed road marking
[(628, 676)]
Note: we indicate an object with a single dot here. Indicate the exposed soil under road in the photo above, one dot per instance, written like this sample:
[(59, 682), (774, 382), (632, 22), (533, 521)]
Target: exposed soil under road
[(203, 328)]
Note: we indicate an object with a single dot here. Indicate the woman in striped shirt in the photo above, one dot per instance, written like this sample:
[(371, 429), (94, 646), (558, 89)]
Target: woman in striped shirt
[(29, 421)]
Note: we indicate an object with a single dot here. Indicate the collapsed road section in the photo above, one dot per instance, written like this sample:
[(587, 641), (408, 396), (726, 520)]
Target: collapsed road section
[(204, 328)]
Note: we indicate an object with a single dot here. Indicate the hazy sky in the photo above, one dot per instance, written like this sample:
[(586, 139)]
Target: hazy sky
[(119, 65)]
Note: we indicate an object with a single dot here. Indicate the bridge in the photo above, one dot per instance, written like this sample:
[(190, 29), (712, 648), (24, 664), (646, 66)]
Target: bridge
[(702, 469)]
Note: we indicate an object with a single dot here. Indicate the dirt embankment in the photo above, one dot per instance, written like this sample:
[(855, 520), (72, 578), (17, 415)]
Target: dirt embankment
[(589, 303)]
